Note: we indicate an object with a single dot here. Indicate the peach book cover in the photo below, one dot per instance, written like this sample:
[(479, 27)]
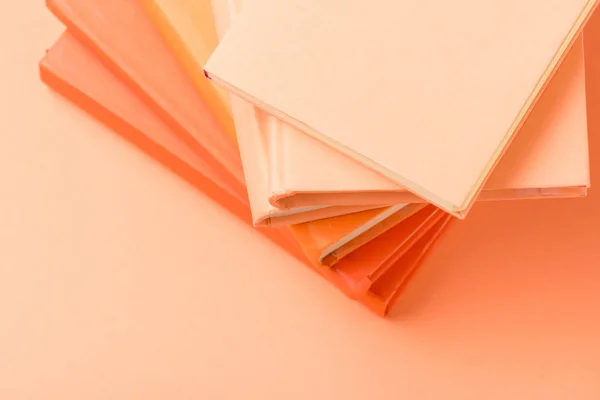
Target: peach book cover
[(538, 165), (480, 87)]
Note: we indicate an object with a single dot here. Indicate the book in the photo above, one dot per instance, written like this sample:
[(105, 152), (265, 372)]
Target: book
[(139, 58), (192, 43), (327, 241), (136, 52), (376, 274), (385, 291), (75, 72), (434, 115), (549, 158), (538, 164), (381, 254)]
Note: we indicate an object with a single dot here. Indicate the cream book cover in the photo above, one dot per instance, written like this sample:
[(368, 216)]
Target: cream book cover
[(548, 158), (434, 115)]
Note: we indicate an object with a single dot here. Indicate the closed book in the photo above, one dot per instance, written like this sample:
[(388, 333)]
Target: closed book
[(434, 112), (549, 158)]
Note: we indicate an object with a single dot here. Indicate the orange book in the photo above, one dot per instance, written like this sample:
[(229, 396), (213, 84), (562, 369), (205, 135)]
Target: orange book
[(376, 274), (193, 18), (388, 288), (434, 115), (72, 69), (327, 241), (135, 51)]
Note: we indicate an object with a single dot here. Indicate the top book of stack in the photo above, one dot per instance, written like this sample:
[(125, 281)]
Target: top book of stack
[(428, 94)]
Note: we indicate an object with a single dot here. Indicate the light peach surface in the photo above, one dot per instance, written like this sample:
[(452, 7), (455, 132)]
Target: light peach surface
[(115, 284)]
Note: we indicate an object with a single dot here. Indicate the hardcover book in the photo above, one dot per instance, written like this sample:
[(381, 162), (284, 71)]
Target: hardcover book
[(433, 115), (549, 159)]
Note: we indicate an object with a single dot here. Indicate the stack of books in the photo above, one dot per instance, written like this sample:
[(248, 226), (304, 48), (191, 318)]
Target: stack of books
[(352, 135)]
